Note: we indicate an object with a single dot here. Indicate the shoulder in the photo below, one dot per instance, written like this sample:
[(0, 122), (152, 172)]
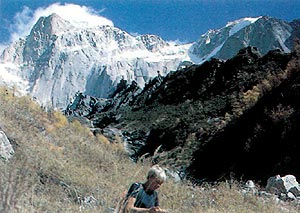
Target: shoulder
[(133, 188)]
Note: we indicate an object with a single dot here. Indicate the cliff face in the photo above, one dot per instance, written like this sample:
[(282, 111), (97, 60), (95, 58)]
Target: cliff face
[(58, 59)]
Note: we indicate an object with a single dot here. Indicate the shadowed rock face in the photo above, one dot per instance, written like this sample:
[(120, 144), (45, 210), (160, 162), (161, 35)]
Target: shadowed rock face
[(238, 118)]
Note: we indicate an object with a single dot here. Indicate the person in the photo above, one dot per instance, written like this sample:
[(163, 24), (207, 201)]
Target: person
[(142, 197)]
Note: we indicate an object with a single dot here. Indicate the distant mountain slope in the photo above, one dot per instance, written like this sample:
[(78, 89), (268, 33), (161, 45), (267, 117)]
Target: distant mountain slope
[(58, 59), (265, 33)]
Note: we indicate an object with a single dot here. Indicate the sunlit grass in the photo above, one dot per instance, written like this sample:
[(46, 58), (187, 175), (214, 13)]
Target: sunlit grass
[(58, 164)]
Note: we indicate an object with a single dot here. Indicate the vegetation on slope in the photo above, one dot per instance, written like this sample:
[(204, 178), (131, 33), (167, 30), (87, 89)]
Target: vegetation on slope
[(237, 117), (59, 165)]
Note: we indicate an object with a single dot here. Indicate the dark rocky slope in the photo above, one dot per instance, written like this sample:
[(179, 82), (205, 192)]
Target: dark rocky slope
[(236, 118)]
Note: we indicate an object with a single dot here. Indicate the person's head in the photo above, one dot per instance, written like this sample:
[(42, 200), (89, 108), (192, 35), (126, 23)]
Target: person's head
[(155, 177)]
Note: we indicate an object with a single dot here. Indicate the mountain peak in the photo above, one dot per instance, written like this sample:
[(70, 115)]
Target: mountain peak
[(62, 57), (243, 20), (266, 33), (52, 24), (240, 24)]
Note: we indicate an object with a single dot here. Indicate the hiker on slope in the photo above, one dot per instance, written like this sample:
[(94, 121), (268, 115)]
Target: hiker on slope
[(142, 197)]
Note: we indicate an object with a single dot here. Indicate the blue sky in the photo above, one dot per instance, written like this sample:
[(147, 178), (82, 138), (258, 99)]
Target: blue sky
[(183, 20)]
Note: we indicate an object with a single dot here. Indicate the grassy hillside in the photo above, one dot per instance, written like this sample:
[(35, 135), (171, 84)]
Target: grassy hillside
[(59, 164)]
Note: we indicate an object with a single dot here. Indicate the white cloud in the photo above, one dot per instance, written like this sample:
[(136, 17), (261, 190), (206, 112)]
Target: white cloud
[(76, 14), (22, 24)]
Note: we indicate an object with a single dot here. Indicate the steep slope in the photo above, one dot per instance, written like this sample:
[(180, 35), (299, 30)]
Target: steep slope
[(58, 59), (238, 118)]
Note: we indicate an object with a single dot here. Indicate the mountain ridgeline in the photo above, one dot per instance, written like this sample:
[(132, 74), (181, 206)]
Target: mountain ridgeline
[(58, 59), (266, 33)]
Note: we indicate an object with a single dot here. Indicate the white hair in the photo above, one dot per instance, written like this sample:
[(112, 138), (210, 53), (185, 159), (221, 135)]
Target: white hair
[(157, 172)]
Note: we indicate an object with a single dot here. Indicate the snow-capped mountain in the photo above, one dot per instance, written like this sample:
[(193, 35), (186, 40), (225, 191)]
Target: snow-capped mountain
[(58, 58), (264, 32)]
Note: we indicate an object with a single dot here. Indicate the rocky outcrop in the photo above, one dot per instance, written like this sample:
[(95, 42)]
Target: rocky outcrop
[(280, 189), (286, 186)]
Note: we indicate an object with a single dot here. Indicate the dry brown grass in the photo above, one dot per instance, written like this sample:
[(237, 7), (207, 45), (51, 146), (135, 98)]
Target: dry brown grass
[(57, 164)]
